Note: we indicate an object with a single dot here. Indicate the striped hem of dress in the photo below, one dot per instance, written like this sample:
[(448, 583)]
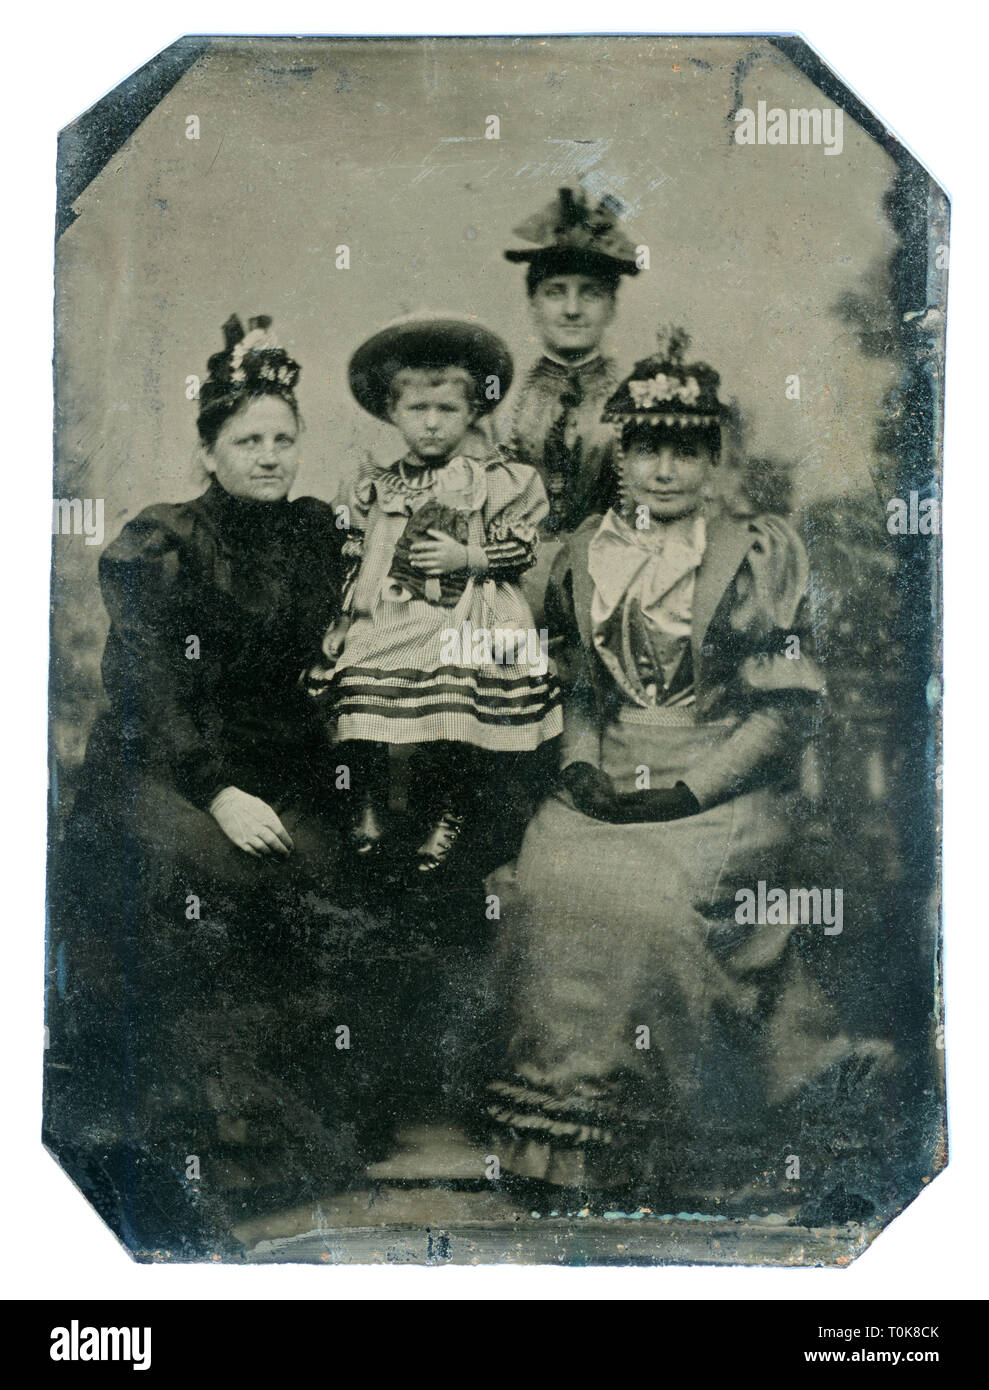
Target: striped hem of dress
[(456, 725), (509, 699), (414, 678), (508, 712), (569, 1122)]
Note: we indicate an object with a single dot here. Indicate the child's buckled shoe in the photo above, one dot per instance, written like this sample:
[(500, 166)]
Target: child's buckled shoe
[(438, 845)]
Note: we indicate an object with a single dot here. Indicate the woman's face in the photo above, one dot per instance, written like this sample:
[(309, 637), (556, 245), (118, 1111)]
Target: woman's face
[(571, 313), (668, 480), (255, 455)]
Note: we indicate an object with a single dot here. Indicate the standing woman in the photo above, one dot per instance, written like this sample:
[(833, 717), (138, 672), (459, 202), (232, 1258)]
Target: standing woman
[(652, 1036), (577, 256), (178, 910)]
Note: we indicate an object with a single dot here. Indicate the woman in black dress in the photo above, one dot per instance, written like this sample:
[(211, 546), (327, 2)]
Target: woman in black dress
[(182, 1015)]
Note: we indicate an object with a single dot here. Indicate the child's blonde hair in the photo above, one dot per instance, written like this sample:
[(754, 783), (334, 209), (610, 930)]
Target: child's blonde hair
[(433, 376)]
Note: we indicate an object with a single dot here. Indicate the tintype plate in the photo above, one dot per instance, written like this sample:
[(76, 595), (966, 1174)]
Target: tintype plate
[(495, 695)]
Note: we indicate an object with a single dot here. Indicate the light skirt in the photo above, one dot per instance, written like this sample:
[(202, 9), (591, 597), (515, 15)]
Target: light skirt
[(636, 1005), (396, 682)]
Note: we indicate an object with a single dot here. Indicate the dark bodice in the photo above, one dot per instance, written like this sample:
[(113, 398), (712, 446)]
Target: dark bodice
[(215, 607), (557, 429)]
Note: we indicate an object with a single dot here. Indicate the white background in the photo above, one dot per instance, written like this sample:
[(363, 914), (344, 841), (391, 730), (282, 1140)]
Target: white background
[(924, 70)]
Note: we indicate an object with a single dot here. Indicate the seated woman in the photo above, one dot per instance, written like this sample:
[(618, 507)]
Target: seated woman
[(653, 1032), (178, 908)]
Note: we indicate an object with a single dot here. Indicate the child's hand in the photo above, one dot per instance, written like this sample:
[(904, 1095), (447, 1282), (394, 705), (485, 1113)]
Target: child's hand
[(334, 640), (441, 555)]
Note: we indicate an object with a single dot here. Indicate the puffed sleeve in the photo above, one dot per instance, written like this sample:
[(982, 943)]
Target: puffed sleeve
[(769, 614), (517, 503), (358, 496), (323, 538), (152, 687), (779, 685)]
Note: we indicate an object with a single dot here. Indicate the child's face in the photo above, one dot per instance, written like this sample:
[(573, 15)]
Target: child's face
[(668, 480), (433, 419)]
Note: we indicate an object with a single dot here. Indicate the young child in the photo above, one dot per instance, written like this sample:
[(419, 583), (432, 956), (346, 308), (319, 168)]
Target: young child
[(437, 647)]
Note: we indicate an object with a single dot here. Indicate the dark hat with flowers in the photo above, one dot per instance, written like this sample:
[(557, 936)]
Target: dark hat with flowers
[(664, 390), (573, 238), (251, 363)]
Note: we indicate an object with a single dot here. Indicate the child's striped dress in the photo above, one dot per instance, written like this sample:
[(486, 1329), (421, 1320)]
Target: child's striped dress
[(462, 662)]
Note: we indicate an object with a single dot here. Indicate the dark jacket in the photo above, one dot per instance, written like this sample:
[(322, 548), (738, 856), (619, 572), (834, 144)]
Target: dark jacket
[(557, 428), (216, 605)]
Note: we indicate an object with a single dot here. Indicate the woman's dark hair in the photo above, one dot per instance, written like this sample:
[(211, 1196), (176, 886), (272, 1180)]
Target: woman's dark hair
[(249, 367), (684, 439), (215, 411), (545, 269)]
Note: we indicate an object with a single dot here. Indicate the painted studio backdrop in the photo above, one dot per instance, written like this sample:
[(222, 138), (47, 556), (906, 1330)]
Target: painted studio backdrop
[(381, 148), (336, 185)]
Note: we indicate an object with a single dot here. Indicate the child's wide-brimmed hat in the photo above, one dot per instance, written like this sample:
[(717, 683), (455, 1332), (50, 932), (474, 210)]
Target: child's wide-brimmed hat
[(664, 390), (573, 238), (430, 340)]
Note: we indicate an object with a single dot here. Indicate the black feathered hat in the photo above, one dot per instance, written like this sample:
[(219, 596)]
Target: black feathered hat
[(573, 238)]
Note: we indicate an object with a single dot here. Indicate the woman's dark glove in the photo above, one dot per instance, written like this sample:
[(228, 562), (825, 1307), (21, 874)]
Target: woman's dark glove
[(593, 793), (592, 790), (664, 803)]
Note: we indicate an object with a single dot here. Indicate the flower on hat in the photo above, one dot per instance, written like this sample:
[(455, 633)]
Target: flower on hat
[(571, 222), (652, 390), (258, 340), (255, 356), (641, 392), (664, 386), (689, 391)]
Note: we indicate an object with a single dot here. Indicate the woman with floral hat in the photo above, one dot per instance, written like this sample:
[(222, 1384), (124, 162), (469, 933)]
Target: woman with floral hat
[(644, 1025), (197, 839)]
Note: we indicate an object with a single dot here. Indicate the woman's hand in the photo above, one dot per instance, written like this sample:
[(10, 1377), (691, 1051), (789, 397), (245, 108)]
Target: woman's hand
[(592, 791), (441, 555), (662, 803), (250, 823)]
